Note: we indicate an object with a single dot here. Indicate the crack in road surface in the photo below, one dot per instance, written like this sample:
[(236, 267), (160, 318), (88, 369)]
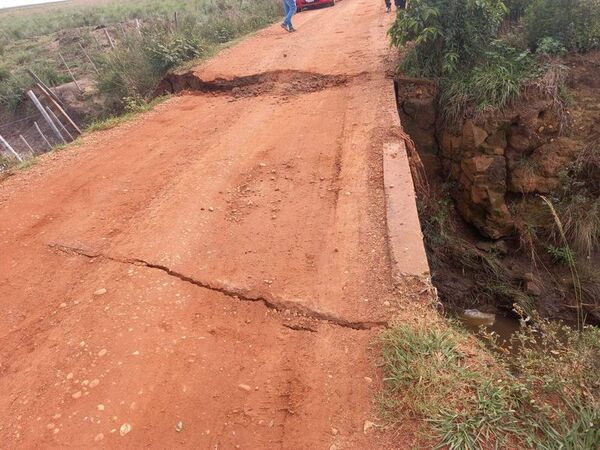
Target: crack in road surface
[(278, 82), (237, 293)]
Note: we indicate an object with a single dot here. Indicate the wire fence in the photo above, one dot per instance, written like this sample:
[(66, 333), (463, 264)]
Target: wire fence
[(32, 135)]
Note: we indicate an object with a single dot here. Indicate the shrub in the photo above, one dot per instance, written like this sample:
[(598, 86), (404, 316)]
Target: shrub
[(550, 46), (574, 23), (447, 34), (12, 90), (133, 69), (516, 8), (165, 51), (491, 85)]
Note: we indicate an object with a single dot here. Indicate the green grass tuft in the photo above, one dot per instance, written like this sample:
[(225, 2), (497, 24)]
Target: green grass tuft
[(548, 400)]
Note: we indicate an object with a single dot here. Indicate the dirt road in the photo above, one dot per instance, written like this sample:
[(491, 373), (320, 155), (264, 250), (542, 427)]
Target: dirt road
[(213, 274)]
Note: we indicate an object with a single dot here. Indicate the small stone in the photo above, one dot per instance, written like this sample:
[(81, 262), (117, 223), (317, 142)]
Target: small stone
[(76, 394), (211, 209), (262, 165), (99, 437), (179, 427), (62, 305), (69, 375), (125, 429), (100, 291), (245, 387), (94, 383), (368, 425), (102, 352), (100, 407), (136, 353), (369, 380), (386, 303), (334, 431)]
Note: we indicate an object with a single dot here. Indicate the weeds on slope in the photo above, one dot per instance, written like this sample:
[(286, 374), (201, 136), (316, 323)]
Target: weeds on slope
[(491, 278), (134, 68), (544, 397), (170, 33)]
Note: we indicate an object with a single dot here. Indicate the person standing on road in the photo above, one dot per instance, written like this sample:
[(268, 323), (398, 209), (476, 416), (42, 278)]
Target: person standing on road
[(400, 4), (289, 8)]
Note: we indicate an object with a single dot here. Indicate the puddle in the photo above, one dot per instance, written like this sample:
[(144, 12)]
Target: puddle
[(504, 327)]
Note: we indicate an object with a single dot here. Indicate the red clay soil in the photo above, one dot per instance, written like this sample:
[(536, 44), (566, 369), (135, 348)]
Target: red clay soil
[(212, 275)]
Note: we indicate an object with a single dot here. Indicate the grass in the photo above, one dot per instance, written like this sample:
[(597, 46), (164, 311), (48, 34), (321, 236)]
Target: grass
[(11, 163), (141, 57), (546, 397), (134, 107), (493, 84), (579, 203)]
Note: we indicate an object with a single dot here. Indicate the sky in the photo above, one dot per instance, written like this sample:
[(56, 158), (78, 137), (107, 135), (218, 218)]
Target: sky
[(11, 3)]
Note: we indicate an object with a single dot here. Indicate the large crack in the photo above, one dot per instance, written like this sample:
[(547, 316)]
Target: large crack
[(240, 294), (279, 82)]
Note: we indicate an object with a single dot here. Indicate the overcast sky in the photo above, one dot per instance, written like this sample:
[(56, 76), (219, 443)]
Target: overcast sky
[(11, 3)]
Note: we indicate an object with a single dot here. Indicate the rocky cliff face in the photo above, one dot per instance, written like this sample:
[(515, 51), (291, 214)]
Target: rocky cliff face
[(517, 152)]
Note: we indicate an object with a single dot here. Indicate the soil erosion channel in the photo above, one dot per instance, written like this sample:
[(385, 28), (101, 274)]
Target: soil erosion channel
[(211, 275)]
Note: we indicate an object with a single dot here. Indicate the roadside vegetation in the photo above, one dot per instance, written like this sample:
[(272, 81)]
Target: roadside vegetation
[(481, 59), (150, 36), (545, 395), (484, 56), (542, 391)]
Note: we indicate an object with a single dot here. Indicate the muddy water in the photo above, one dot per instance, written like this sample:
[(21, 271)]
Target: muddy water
[(504, 327)]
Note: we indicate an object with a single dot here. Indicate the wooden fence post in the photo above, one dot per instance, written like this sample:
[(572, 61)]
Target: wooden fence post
[(62, 111), (27, 144), (62, 127), (41, 83), (110, 41), (45, 115), (70, 72), (88, 57), (10, 149), (37, 127)]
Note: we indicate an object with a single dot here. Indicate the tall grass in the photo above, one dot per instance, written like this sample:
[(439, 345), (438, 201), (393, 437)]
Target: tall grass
[(489, 86), (570, 260), (134, 68), (131, 71), (51, 19), (545, 397)]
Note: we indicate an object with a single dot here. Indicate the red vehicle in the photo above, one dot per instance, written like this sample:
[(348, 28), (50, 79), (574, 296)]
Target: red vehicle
[(305, 4)]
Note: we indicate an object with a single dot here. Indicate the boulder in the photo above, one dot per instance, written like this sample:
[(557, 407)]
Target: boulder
[(540, 171)]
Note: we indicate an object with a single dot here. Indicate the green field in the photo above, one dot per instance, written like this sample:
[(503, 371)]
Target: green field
[(150, 36)]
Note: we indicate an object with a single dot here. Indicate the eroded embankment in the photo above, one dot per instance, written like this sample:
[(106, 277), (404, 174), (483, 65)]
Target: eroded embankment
[(492, 240)]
